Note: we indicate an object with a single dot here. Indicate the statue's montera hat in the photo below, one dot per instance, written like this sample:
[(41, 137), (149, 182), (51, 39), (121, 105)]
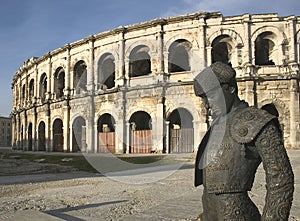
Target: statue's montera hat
[(213, 77)]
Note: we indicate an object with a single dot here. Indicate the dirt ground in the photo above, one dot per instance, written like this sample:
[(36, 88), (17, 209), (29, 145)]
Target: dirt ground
[(166, 193)]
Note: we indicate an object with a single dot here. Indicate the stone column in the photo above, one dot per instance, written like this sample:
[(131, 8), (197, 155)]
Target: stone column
[(34, 131), (293, 41), (49, 80), (90, 130), (18, 131), (120, 72), (36, 85), (90, 127), (127, 78), (202, 37), (167, 140), (20, 94), (127, 137), (247, 56), (48, 129), (250, 92), (67, 73), (166, 64), (208, 55), (294, 114), (96, 141), (159, 131), (66, 126), (119, 132), (298, 52), (90, 68), (198, 133), (160, 56), (25, 129)]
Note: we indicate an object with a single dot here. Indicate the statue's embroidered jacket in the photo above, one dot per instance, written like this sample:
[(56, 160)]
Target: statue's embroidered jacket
[(233, 148)]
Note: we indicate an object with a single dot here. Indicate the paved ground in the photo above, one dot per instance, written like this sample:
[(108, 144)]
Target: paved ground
[(166, 193)]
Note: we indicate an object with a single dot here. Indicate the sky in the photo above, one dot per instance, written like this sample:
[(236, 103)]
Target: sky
[(32, 28)]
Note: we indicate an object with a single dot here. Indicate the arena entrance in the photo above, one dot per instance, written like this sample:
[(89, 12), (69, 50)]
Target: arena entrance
[(106, 134), (140, 133), (58, 138), (29, 137), (78, 135), (41, 136), (181, 132)]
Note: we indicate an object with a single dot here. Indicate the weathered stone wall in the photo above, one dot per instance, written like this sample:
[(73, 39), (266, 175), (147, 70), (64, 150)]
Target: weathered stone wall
[(71, 84)]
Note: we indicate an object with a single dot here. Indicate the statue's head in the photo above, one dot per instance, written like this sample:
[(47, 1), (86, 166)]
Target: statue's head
[(217, 85)]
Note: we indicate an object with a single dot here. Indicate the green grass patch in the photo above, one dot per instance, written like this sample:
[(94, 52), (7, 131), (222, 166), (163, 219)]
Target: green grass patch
[(102, 163)]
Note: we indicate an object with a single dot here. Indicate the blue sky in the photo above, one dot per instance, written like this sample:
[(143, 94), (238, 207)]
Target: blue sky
[(31, 28)]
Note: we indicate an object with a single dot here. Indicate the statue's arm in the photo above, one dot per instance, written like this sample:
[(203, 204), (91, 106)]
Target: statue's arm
[(279, 174)]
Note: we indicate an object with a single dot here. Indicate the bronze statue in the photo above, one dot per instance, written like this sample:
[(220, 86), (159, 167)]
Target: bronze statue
[(238, 140)]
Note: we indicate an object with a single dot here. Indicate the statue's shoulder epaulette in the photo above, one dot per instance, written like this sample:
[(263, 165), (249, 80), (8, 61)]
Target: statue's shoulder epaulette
[(247, 123)]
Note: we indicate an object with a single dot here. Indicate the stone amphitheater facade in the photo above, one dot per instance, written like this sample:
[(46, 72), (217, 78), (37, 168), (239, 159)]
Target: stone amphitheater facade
[(130, 89)]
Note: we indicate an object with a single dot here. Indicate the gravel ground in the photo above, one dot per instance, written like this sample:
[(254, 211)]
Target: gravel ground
[(82, 196)]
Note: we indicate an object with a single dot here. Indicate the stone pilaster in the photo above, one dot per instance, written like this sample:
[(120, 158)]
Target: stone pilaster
[(49, 80), (66, 125), (48, 130), (202, 39), (67, 73), (160, 55), (294, 114), (90, 68), (247, 56), (250, 92), (120, 72), (158, 133), (127, 137)]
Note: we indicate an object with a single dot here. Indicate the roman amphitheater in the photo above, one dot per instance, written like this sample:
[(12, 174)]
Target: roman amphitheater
[(130, 89)]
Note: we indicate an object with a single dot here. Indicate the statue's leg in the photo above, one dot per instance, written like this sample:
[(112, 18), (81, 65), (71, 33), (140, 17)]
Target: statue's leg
[(209, 208)]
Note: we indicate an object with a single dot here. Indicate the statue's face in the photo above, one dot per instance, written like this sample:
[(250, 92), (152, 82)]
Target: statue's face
[(220, 100)]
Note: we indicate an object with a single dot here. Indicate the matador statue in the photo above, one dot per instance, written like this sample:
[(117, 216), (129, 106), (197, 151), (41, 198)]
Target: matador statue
[(239, 138)]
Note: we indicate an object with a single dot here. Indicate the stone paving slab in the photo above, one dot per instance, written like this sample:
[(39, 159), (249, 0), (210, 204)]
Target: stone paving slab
[(29, 215)]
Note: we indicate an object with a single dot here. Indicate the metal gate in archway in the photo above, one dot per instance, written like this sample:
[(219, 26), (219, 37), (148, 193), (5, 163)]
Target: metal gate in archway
[(107, 142), (141, 141), (182, 140), (58, 137), (41, 137)]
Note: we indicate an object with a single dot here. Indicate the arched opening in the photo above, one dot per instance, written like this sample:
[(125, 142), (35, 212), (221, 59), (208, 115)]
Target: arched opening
[(139, 61), (265, 49), (140, 133), (221, 49), (29, 141), (43, 87), (106, 71), (80, 77), (106, 134), (58, 137), (179, 58), (59, 82), (181, 131), (42, 136), (31, 89), (79, 135)]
